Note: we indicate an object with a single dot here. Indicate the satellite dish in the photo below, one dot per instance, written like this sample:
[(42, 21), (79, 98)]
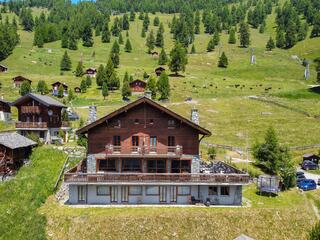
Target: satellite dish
[(50, 112)]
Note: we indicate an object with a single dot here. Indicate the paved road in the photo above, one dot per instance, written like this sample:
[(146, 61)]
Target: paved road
[(310, 175)]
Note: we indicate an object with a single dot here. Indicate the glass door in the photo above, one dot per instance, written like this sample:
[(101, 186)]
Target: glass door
[(153, 144), (82, 194), (124, 194), (163, 193), (173, 194), (114, 193)]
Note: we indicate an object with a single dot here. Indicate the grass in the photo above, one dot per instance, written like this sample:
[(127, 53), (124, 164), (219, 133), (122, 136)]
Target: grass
[(23, 195)]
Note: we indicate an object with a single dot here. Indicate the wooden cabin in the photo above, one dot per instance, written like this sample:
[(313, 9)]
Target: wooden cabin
[(159, 70), (144, 153), (311, 157), (3, 68), (40, 115), (77, 90), (138, 86), (5, 110), (91, 72), (55, 88), (14, 150), (18, 80), (154, 54)]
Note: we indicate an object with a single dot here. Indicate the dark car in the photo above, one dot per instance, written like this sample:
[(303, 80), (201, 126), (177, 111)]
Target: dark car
[(300, 178), (309, 165), (299, 173), (307, 184)]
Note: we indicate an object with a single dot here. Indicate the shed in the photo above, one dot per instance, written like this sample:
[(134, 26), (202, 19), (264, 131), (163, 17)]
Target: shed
[(5, 110), (311, 157), (159, 70), (154, 54), (138, 86), (55, 88), (91, 72), (77, 90), (18, 80), (3, 68)]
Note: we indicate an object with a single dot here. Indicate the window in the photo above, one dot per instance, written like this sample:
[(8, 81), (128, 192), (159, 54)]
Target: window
[(163, 193), (152, 190), (180, 166), (131, 165), (82, 194), (103, 191), (156, 166), (116, 140), (184, 190), (117, 124), (114, 193), (135, 190), (213, 190), (151, 122), (171, 123), (136, 121), (107, 165), (173, 194), (153, 144), (124, 194), (135, 140), (224, 191), (171, 141)]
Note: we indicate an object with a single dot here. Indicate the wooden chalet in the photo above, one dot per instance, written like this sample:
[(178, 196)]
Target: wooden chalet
[(91, 72), (55, 88), (159, 70), (77, 90), (3, 68), (14, 150), (5, 110), (18, 80), (154, 54), (138, 86), (145, 153), (311, 157), (40, 115)]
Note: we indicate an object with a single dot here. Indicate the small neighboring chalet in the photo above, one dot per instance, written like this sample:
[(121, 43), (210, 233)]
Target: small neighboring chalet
[(3, 68), (159, 70), (138, 86), (18, 80), (91, 72), (14, 150), (311, 157), (55, 88), (5, 110), (41, 115), (143, 153), (77, 90)]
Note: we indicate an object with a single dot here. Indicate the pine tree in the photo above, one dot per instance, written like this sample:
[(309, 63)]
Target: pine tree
[(211, 45), (116, 27), (232, 36), (126, 90), (106, 35), (223, 61), (141, 16), (143, 33), (73, 45), (163, 59), (193, 49), (197, 23), (128, 47), (178, 58), (317, 63), (42, 87), (132, 15), (65, 64), (38, 38), (114, 54), (88, 81), (316, 26), (152, 87), (125, 22), (100, 77), (280, 40), (83, 86), (79, 70), (64, 37), (270, 44), (114, 82), (216, 38), (109, 69), (146, 22), (150, 41), (163, 86), (97, 31), (105, 90), (159, 38), (290, 36), (60, 91), (87, 40), (156, 21), (244, 35), (120, 39), (25, 88), (71, 95)]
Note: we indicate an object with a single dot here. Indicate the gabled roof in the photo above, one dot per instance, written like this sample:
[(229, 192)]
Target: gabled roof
[(59, 83), (152, 103), (160, 69), (21, 78), (137, 80), (45, 100), (92, 69), (14, 140), (3, 66), (4, 101)]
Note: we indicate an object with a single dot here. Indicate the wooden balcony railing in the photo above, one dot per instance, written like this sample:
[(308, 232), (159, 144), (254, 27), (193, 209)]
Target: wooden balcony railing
[(157, 178), (30, 109), (31, 124), (144, 150)]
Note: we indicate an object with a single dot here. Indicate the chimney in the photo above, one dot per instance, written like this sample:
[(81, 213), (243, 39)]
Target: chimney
[(195, 115), (92, 113)]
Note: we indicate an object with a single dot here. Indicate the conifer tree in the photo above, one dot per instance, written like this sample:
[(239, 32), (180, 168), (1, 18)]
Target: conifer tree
[(79, 70), (317, 63), (65, 64), (128, 47), (125, 22), (143, 33), (120, 39), (64, 37), (244, 35), (150, 41), (146, 22), (83, 86), (105, 90), (100, 77), (132, 15), (270, 44), (126, 90), (280, 40), (159, 38), (87, 40), (116, 27), (114, 54), (163, 59), (152, 87), (178, 58), (42, 87), (232, 36), (223, 61), (70, 95), (88, 81), (316, 26), (163, 86), (73, 45), (38, 38), (106, 35), (290, 36), (156, 21), (262, 27), (216, 38), (193, 49), (211, 45), (197, 23), (25, 88), (60, 91), (141, 16), (114, 82), (97, 31)]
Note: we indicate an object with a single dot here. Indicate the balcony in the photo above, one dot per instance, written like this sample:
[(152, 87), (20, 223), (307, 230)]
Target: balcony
[(30, 109), (174, 151), (31, 125), (146, 178)]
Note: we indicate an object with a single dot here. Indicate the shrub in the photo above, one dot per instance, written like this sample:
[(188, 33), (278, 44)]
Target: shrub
[(212, 153), (315, 232)]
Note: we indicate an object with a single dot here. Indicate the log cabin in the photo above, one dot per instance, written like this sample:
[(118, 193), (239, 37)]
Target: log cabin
[(138, 86), (41, 115), (5, 111), (18, 80), (14, 150), (3, 68), (159, 70), (91, 72), (143, 153), (77, 90), (55, 88)]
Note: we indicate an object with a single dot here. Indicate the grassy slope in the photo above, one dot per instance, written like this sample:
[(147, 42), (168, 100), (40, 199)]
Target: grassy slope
[(21, 196)]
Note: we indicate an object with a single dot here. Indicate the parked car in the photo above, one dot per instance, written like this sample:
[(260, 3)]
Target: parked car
[(309, 165), (307, 184), (299, 173), (300, 178), (319, 181)]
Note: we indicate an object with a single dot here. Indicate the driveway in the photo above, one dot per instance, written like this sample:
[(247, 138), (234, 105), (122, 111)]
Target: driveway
[(308, 175)]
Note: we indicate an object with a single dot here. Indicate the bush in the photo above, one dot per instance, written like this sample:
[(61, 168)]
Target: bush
[(35, 138), (82, 141), (212, 153), (315, 232)]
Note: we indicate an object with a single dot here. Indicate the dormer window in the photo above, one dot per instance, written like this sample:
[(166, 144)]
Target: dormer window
[(171, 123), (136, 121)]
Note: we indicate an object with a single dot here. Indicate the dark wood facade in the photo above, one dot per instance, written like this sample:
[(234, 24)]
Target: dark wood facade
[(3, 68), (159, 70), (5, 106), (18, 80), (77, 90), (91, 72), (138, 86), (12, 159)]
